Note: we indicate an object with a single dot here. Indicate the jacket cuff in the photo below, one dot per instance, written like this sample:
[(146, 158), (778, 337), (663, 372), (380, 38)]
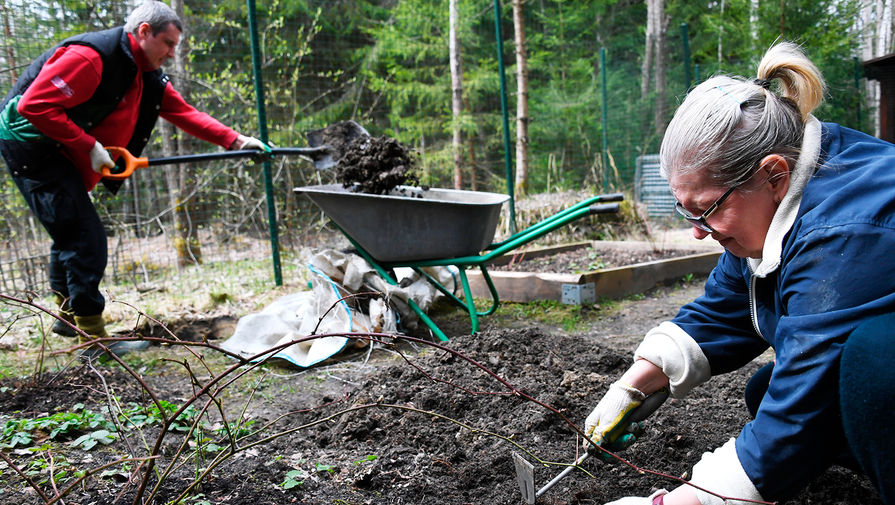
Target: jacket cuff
[(670, 348), (721, 472)]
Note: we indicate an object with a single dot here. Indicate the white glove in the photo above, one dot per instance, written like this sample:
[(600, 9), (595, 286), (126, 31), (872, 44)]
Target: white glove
[(636, 500), (100, 158), (250, 143), (721, 472), (616, 404)]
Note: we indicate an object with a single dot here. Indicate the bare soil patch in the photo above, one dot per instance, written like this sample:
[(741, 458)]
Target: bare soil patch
[(427, 426), (588, 259)]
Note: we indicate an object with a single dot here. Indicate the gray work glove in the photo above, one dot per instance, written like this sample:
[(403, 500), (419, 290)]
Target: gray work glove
[(100, 158)]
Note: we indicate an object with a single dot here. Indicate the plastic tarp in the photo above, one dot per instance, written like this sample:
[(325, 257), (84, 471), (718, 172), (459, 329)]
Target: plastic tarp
[(319, 311)]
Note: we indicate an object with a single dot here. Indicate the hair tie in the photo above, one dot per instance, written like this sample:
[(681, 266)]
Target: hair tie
[(764, 83), (735, 99)]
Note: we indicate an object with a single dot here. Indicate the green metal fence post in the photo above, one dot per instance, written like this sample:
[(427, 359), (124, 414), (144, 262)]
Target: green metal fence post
[(507, 146), (685, 41), (262, 133), (605, 117)]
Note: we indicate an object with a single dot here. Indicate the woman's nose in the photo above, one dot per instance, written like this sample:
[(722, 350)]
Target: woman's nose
[(699, 233)]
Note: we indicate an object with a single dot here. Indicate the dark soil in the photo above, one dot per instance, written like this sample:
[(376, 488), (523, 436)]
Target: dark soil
[(587, 259), (429, 426), (377, 165)]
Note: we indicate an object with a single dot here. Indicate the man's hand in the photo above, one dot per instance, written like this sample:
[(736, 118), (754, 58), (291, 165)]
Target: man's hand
[(608, 422), (100, 158), (244, 142)]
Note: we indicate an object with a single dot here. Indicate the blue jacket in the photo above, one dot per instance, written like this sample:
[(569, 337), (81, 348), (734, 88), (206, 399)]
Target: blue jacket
[(837, 268)]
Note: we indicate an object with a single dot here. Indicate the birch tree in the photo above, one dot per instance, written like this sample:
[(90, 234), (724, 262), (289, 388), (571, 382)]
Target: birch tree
[(522, 118), (456, 93), (654, 64)]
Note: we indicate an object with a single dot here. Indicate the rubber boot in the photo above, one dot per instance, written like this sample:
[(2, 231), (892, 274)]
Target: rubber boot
[(60, 328), (95, 326)]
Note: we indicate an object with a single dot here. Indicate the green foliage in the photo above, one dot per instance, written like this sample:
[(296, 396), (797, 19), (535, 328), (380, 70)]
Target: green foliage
[(293, 478), (57, 426)]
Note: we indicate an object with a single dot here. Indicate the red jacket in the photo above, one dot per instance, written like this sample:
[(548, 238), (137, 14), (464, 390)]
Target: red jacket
[(71, 76)]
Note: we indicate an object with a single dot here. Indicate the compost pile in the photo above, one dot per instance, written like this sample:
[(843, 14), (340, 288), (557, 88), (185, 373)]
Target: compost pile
[(376, 165), (430, 426)]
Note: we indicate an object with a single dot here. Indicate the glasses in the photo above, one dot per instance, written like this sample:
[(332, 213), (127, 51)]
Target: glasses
[(700, 222)]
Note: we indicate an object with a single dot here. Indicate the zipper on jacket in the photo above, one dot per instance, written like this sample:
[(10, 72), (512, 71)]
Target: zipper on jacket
[(753, 312)]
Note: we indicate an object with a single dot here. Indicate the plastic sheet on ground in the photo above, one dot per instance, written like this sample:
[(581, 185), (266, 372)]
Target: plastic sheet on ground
[(318, 311)]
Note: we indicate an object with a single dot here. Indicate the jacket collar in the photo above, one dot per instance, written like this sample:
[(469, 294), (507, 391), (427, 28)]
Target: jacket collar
[(789, 206)]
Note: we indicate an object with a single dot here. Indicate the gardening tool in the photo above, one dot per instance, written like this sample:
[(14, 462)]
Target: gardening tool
[(416, 228), (324, 155), (525, 470)]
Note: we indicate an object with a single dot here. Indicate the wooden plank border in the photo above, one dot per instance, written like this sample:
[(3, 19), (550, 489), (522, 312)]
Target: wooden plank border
[(608, 283)]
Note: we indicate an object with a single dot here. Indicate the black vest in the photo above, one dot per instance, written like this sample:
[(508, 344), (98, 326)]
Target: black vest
[(119, 71)]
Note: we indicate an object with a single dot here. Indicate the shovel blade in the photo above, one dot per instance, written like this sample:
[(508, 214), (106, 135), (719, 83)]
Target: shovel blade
[(525, 474), (336, 137)]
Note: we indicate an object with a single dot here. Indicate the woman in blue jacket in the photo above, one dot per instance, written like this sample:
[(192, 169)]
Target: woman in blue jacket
[(806, 214)]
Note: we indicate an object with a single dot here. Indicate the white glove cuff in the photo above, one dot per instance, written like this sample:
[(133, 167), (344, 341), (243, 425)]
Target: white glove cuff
[(721, 472), (670, 348)]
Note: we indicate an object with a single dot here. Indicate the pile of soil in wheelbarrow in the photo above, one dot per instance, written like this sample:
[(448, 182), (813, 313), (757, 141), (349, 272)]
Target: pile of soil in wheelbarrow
[(377, 165), (426, 426)]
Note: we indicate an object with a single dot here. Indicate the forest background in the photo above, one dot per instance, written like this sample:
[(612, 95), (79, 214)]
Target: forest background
[(590, 86)]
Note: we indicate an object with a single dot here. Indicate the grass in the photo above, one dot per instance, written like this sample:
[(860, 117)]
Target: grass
[(225, 288)]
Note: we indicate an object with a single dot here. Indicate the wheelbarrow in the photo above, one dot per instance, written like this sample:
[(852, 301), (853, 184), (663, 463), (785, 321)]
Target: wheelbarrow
[(416, 228)]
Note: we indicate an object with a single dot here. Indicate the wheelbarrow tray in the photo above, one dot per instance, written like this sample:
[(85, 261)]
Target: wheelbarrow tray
[(411, 224)]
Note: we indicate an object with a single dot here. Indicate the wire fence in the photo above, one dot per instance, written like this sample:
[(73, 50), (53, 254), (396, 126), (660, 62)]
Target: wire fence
[(384, 64)]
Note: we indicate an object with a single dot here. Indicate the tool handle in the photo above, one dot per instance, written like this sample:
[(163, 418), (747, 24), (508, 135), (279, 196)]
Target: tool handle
[(612, 197), (131, 163), (562, 474), (603, 208), (649, 405)]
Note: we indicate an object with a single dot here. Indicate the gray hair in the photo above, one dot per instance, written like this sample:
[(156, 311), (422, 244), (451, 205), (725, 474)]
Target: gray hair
[(726, 125), (156, 13)]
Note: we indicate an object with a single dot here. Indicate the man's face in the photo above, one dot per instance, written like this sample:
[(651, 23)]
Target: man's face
[(157, 48)]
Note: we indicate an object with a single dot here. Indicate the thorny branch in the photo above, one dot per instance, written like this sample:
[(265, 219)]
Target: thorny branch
[(218, 383)]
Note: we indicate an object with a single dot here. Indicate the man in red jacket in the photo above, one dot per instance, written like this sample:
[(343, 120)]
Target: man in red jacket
[(95, 89)]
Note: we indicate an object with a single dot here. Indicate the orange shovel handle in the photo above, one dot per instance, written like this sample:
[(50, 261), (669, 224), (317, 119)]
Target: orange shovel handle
[(131, 163)]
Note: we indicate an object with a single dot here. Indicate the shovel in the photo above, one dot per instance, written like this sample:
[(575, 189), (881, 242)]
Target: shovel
[(525, 471), (327, 145)]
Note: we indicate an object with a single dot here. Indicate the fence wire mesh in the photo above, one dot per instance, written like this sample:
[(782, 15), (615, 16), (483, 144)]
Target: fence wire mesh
[(386, 65)]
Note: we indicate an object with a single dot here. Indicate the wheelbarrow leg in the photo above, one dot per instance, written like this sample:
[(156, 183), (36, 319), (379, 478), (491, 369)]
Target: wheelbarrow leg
[(470, 302)]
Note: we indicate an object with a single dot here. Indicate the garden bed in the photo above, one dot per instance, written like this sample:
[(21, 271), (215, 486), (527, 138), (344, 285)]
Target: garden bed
[(615, 268)]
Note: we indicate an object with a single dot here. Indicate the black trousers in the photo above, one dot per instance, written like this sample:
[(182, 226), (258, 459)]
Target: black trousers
[(53, 190)]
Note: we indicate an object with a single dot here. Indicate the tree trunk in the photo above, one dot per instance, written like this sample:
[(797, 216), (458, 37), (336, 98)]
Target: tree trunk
[(753, 30), (661, 25), (10, 52), (186, 232), (648, 51), (721, 37), (782, 19), (522, 118), (456, 94)]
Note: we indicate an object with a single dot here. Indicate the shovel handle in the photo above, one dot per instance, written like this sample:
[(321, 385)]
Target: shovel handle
[(131, 163)]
